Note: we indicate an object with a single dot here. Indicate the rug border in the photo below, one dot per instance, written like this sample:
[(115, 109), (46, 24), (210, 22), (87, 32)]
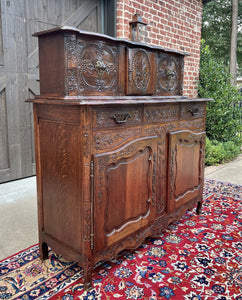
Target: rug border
[(223, 182)]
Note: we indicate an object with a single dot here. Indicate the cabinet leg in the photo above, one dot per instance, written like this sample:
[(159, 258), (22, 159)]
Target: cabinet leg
[(87, 277), (199, 208), (43, 251)]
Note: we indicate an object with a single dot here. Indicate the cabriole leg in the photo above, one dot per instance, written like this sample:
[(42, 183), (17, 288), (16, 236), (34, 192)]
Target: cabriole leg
[(87, 276)]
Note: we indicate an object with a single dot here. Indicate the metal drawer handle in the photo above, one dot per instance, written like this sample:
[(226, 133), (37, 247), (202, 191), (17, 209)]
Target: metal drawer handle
[(120, 118), (194, 111)]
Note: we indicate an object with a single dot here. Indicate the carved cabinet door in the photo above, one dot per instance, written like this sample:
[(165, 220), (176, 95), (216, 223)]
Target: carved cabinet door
[(185, 169), (124, 198)]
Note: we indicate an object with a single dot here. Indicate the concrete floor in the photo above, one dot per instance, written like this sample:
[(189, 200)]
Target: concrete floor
[(18, 207), (18, 216), (230, 172)]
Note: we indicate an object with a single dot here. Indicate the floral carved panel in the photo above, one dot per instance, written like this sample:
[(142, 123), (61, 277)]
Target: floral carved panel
[(140, 72), (91, 66), (168, 75), (164, 113)]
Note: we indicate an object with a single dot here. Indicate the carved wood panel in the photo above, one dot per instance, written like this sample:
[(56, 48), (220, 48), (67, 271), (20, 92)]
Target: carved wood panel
[(60, 177), (197, 125), (107, 140), (138, 167), (185, 167), (161, 166), (161, 113), (92, 66), (140, 72), (135, 162), (161, 177), (169, 74)]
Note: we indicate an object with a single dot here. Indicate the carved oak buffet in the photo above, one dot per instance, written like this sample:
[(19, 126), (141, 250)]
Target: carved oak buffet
[(119, 150)]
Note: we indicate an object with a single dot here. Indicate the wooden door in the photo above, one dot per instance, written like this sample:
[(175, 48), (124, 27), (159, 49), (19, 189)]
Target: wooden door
[(19, 74), (124, 199), (186, 167)]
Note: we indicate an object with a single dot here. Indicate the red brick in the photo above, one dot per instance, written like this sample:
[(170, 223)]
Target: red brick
[(156, 6), (119, 13), (136, 5)]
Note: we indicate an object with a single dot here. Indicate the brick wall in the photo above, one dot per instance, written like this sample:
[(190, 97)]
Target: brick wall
[(172, 24)]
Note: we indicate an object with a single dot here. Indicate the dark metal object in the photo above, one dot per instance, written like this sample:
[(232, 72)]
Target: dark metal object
[(194, 111), (120, 118)]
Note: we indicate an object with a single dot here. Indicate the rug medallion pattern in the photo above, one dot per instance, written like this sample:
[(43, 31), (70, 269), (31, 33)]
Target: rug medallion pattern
[(198, 258)]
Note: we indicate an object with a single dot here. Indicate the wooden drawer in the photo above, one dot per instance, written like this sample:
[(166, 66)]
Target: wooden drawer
[(68, 114), (116, 116), (192, 110), (161, 113)]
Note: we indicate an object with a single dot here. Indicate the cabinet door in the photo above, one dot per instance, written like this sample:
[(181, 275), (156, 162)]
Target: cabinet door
[(124, 200), (186, 167)]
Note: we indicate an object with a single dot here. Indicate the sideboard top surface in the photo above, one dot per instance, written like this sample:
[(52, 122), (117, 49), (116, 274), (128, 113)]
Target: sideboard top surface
[(106, 100)]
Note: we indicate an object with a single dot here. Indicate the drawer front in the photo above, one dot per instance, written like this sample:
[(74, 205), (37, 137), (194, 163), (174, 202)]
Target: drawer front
[(64, 113), (161, 113), (117, 116), (140, 72), (192, 110)]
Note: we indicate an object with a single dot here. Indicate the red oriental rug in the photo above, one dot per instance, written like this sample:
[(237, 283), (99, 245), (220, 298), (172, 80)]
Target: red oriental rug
[(198, 258)]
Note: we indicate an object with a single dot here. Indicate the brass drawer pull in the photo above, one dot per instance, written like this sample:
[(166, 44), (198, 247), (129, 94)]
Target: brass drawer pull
[(194, 111), (120, 118)]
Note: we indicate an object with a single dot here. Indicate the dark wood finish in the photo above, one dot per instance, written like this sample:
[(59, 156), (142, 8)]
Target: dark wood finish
[(112, 170)]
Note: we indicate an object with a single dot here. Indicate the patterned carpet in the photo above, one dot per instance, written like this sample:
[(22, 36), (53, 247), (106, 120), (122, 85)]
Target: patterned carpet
[(198, 258)]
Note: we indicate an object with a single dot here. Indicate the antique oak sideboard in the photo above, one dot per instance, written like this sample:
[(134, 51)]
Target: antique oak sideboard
[(119, 150)]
